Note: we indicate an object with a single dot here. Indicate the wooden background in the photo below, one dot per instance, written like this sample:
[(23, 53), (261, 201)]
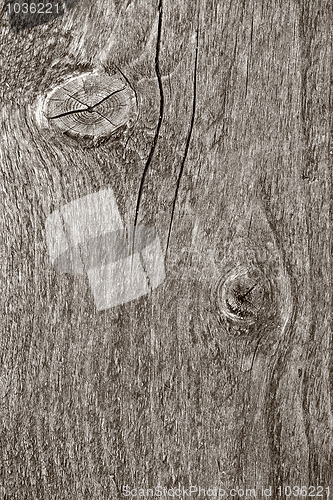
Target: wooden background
[(230, 161)]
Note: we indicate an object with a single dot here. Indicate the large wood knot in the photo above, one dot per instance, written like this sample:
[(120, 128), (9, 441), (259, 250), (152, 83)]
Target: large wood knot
[(91, 106), (244, 295)]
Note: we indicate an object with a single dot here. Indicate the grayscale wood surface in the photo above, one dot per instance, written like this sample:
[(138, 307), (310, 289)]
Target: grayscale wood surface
[(229, 160)]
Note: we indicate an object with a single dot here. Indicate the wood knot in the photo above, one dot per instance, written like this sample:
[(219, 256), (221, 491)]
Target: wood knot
[(92, 107), (243, 295)]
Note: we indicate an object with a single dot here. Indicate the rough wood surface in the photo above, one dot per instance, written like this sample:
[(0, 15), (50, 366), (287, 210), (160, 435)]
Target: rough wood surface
[(90, 108), (229, 160)]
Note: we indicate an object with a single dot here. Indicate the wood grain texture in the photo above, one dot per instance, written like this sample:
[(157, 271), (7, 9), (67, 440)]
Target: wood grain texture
[(90, 108), (229, 160)]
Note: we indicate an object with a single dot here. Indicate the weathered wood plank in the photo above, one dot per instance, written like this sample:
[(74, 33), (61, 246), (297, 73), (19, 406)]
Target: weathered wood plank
[(229, 160)]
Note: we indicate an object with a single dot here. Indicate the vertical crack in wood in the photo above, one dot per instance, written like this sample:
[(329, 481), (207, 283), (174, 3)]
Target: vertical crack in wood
[(157, 133), (188, 140), (160, 85)]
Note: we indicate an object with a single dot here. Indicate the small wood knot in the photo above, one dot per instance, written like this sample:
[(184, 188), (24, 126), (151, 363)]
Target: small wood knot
[(91, 106), (243, 295)]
